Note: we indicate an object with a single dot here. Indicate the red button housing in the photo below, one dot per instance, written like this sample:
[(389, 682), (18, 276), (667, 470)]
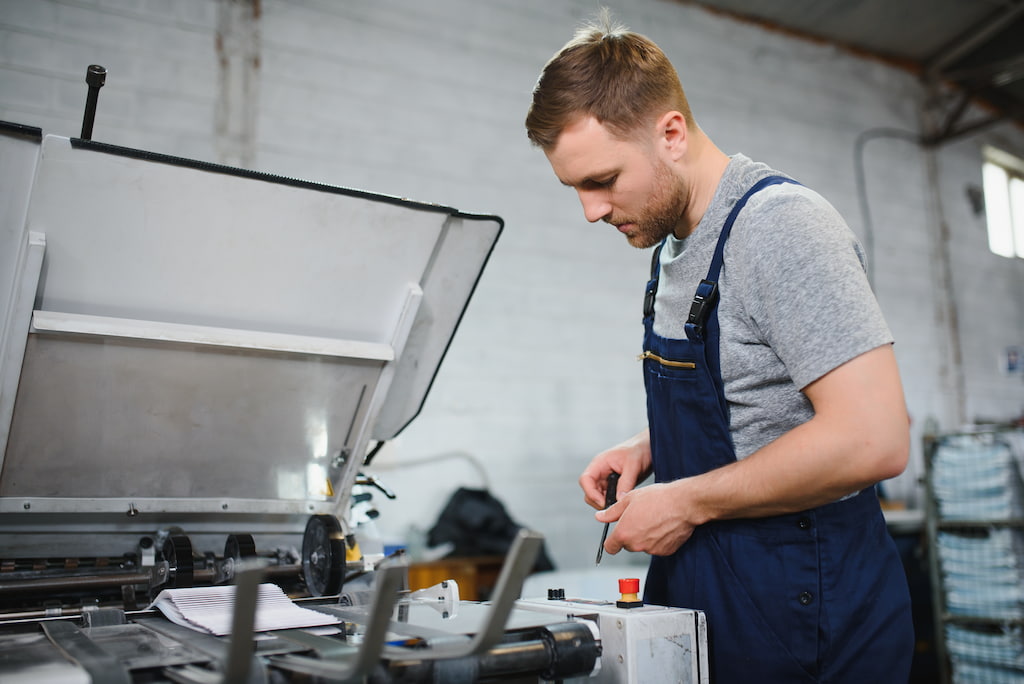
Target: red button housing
[(630, 589)]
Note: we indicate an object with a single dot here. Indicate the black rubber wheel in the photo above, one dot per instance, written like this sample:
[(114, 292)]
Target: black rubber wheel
[(323, 555), (240, 547), (177, 551)]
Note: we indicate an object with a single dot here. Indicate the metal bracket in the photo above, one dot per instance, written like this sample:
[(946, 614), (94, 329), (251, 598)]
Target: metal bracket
[(356, 443), (518, 564), (344, 667), (102, 667)]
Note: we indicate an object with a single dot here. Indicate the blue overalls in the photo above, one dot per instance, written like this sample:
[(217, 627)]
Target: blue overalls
[(817, 596)]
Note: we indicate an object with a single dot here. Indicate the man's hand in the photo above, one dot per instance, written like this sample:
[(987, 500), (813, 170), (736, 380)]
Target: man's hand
[(654, 519), (631, 459)]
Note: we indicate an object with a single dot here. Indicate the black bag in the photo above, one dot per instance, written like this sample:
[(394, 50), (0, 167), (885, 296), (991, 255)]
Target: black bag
[(478, 525)]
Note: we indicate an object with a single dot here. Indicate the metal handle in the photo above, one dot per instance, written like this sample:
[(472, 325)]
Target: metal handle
[(95, 77)]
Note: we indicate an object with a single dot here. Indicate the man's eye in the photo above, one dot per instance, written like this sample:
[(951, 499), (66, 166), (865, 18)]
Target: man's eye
[(606, 183)]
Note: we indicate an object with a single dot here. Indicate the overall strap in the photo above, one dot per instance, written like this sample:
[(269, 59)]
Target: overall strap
[(706, 297), (652, 285)]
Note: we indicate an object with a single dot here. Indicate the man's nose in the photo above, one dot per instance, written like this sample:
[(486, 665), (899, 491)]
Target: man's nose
[(595, 205)]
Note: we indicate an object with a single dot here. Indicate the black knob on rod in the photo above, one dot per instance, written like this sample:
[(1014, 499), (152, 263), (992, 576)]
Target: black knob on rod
[(95, 77)]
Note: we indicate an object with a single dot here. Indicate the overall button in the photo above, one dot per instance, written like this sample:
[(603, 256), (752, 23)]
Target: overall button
[(805, 598), (804, 523)]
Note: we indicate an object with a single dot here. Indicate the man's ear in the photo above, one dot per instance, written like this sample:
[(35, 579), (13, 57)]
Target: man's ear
[(672, 134)]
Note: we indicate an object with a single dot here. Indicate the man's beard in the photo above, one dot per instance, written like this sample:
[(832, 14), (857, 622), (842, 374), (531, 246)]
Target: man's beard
[(662, 215)]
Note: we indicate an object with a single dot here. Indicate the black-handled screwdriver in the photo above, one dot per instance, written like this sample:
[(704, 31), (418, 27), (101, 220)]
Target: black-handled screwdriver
[(610, 497)]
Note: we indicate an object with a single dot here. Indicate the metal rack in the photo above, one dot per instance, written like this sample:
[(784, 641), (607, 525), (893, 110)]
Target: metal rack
[(975, 525)]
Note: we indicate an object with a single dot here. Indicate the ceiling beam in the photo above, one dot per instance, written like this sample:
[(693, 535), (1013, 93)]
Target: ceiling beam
[(935, 65), (999, 73)]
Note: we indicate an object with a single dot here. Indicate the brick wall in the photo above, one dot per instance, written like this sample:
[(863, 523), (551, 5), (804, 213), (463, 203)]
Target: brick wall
[(426, 100)]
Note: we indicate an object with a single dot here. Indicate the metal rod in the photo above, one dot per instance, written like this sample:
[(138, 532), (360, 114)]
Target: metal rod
[(67, 583), (78, 582), (95, 76)]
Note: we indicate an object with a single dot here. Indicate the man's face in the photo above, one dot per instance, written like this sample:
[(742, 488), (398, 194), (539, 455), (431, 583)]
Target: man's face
[(622, 182)]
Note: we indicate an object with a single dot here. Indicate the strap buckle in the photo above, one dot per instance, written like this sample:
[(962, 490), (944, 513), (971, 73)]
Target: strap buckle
[(649, 296), (703, 301)]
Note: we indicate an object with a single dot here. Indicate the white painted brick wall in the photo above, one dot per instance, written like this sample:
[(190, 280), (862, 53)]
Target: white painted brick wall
[(426, 100)]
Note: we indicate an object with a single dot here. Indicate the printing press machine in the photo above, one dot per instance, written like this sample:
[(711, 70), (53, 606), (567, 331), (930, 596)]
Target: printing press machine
[(196, 363)]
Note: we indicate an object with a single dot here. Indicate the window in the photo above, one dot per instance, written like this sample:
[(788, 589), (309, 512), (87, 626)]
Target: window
[(1004, 202)]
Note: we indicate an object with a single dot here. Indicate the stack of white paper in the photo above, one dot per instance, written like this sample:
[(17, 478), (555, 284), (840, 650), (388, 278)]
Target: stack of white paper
[(211, 609)]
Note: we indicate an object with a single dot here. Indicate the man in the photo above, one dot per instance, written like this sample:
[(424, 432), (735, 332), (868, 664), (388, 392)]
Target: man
[(774, 400)]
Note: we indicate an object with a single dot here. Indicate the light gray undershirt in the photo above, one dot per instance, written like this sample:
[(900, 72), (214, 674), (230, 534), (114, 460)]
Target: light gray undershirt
[(795, 300)]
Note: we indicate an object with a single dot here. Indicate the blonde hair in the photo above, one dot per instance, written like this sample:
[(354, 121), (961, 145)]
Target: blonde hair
[(620, 78)]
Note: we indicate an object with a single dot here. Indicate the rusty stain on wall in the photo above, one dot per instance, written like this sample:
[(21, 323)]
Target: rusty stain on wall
[(238, 54)]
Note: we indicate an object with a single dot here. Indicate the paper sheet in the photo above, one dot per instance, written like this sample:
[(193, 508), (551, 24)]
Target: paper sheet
[(211, 609)]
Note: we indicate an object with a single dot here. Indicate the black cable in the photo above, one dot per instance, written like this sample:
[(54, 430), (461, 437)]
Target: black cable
[(862, 193), (373, 452)]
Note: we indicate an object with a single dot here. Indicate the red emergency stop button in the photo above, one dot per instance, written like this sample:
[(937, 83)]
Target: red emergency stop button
[(630, 589)]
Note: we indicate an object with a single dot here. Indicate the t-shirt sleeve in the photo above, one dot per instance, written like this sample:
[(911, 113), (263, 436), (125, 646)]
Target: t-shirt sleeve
[(805, 287)]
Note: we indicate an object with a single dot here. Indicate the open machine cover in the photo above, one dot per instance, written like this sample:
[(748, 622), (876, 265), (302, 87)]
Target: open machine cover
[(181, 338)]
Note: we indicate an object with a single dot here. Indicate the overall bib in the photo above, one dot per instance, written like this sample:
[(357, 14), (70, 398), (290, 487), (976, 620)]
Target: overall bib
[(816, 596)]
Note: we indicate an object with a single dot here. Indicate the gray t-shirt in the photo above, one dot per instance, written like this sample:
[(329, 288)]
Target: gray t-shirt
[(795, 300)]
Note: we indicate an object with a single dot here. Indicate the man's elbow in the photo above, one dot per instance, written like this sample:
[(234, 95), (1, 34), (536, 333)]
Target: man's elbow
[(894, 463), (892, 452)]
